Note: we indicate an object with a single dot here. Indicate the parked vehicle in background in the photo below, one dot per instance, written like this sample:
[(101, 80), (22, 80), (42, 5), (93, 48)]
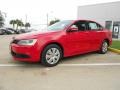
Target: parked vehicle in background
[(21, 31), (11, 29), (1, 32), (26, 30), (7, 31), (30, 30), (62, 39)]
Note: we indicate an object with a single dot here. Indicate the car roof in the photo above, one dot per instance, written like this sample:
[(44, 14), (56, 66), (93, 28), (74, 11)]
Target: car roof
[(86, 21)]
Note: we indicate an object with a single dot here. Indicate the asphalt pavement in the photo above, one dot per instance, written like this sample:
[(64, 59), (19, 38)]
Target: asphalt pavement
[(90, 71)]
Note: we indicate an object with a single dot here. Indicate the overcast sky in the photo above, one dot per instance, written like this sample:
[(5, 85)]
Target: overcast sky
[(36, 10)]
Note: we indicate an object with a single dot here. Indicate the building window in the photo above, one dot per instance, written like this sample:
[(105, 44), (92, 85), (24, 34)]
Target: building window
[(108, 25)]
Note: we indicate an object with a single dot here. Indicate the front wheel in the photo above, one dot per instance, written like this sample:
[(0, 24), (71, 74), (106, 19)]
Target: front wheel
[(51, 55), (104, 47)]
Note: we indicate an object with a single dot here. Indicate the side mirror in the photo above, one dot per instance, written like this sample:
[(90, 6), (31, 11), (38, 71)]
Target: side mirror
[(72, 29)]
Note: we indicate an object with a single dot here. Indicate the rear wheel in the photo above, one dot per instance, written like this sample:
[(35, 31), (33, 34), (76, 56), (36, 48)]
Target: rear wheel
[(51, 55), (104, 47)]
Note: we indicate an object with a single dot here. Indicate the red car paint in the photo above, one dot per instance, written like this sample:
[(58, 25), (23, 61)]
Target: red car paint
[(72, 43)]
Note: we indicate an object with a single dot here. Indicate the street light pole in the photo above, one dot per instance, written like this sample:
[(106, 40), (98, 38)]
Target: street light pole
[(1, 14), (47, 16), (26, 18), (47, 19)]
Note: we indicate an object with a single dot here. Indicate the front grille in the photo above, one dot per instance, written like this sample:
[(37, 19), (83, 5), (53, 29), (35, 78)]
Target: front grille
[(19, 55)]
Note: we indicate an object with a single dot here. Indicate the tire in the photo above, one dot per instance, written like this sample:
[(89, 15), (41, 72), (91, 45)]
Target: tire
[(51, 55), (104, 47)]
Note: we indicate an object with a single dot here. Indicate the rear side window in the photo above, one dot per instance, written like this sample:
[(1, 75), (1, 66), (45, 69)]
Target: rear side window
[(94, 26)]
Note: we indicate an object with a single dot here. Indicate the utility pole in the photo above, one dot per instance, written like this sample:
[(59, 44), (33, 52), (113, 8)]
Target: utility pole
[(47, 20), (1, 14), (26, 18), (48, 17)]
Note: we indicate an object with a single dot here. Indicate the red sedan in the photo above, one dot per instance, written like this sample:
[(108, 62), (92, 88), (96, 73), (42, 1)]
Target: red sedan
[(62, 39)]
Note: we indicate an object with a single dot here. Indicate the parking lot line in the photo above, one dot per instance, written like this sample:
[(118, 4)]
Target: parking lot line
[(90, 64), (10, 65)]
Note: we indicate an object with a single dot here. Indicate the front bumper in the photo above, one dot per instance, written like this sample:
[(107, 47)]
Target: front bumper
[(25, 53)]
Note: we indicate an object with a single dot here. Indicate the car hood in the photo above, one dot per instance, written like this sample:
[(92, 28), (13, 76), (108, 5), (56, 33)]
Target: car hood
[(34, 34)]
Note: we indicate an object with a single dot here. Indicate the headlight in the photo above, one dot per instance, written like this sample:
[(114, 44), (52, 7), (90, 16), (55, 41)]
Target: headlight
[(27, 42)]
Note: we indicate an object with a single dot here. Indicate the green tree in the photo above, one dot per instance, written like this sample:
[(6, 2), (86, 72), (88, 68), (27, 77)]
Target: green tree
[(19, 23), (1, 21), (13, 22), (27, 25), (53, 21)]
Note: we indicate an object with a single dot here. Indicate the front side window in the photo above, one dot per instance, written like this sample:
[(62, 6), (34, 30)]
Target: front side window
[(81, 25)]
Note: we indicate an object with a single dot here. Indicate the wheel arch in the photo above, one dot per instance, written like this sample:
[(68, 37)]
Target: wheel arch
[(57, 43), (107, 40)]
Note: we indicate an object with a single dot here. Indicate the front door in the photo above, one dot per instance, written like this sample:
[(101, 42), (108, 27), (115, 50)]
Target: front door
[(78, 41)]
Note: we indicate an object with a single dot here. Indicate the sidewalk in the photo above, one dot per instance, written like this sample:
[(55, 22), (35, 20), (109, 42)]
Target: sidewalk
[(115, 39)]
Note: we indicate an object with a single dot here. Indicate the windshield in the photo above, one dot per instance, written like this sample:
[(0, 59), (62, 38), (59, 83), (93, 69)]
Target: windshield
[(59, 25)]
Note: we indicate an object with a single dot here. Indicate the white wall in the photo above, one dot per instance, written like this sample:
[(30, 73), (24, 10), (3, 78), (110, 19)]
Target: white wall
[(100, 12)]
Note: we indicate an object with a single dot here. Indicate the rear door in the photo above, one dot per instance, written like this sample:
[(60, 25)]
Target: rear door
[(96, 35)]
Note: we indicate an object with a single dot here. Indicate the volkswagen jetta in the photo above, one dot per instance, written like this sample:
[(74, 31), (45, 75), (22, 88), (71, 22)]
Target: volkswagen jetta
[(62, 39)]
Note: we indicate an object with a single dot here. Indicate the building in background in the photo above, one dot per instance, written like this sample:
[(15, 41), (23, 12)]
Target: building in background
[(107, 14)]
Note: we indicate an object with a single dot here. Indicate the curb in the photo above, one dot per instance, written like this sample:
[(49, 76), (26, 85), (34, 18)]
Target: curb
[(114, 50)]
